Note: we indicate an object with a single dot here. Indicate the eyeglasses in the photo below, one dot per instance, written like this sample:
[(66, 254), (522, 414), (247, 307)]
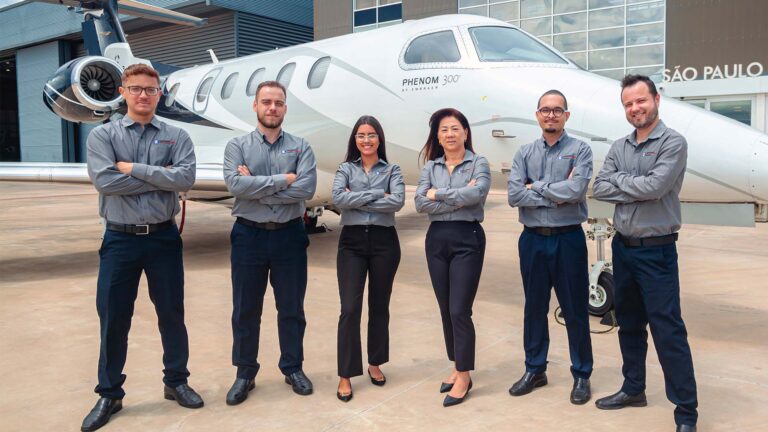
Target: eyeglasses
[(136, 90), (556, 112), (367, 137)]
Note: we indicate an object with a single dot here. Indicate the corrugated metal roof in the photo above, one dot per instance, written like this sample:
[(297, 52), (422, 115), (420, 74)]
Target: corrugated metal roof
[(291, 11)]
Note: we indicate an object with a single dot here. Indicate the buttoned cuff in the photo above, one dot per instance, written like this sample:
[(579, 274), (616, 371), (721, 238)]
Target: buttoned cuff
[(140, 171), (281, 182), (538, 186), (440, 194)]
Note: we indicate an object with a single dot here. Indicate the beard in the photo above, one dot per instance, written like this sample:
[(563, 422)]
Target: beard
[(270, 122), (650, 117), (550, 129)]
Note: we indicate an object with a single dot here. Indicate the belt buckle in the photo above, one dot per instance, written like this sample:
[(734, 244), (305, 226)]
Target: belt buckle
[(146, 230), (270, 226), (547, 231)]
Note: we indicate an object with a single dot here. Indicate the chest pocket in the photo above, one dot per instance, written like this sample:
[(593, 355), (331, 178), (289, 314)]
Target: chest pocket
[(646, 161), (562, 166), (160, 153), (288, 159)]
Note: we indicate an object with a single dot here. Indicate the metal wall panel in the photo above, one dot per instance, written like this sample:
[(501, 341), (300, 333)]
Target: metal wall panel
[(40, 131), (291, 11), (256, 34), (332, 18), (186, 46)]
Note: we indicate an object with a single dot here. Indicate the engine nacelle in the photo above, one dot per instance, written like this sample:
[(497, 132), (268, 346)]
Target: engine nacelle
[(84, 90)]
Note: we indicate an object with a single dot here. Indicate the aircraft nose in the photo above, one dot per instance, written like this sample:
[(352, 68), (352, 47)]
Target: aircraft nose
[(758, 174)]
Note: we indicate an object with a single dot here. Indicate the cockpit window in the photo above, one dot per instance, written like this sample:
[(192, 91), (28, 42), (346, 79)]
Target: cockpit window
[(497, 44), (437, 47)]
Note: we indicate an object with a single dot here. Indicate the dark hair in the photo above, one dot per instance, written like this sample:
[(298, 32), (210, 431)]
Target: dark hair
[(270, 84), (432, 148), (553, 92), (631, 80), (139, 69), (353, 153)]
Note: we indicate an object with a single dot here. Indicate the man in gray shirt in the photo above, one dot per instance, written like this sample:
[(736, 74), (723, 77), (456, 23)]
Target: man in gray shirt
[(548, 184), (642, 174), (271, 173), (139, 165)]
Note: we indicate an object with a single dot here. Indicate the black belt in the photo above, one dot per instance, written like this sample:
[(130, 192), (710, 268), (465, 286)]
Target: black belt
[(269, 225), (139, 229), (647, 241), (550, 231)]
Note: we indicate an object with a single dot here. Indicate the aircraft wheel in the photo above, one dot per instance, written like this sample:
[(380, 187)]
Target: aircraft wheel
[(601, 298)]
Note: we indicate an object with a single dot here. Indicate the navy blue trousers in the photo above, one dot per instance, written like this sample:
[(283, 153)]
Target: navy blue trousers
[(455, 253), (648, 293), (280, 257), (558, 261), (123, 257), (371, 252)]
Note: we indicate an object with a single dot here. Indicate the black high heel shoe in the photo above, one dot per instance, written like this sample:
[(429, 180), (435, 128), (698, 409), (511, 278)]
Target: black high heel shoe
[(451, 401), (446, 387), (344, 397), (376, 382)]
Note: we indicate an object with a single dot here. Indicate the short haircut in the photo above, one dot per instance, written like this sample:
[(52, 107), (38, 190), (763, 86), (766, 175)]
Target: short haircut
[(274, 84), (140, 69), (631, 80), (553, 92)]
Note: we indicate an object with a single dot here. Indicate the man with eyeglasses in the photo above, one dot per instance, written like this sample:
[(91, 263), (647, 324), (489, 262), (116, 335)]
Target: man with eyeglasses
[(139, 165), (548, 184), (643, 174), (270, 173)]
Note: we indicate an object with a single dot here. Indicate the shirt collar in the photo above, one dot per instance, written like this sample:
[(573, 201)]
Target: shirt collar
[(127, 121), (656, 133), (263, 139), (563, 137), (360, 161), (468, 155)]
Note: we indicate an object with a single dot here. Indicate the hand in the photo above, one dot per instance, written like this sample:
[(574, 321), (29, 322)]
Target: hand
[(125, 167), (570, 174), (347, 190), (472, 182), (290, 178), (529, 185), (243, 170), (431, 194), (386, 194)]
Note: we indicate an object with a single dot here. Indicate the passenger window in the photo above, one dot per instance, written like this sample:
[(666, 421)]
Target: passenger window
[(202, 92), (437, 47), (253, 82), (229, 85), (286, 73), (318, 72), (170, 98), (200, 102)]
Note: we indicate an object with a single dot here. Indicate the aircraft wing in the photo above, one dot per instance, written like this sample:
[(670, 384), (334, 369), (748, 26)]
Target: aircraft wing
[(137, 9)]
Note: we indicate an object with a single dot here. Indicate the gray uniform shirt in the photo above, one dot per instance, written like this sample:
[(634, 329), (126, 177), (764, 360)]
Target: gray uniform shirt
[(644, 181), (554, 200), (163, 165), (455, 200), (265, 196), (366, 202)]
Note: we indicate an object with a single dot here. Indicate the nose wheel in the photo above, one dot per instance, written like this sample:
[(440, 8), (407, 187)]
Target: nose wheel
[(601, 287)]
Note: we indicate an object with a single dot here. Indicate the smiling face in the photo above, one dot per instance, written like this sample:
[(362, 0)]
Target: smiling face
[(270, 107), (451, 134), (142, 105), (640, 106), (552, 123), (367, 140)]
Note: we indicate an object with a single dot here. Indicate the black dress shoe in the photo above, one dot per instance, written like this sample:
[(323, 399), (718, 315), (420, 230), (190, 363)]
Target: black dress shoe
[(451, 401), (300, 383), (686, 428), (185, 395), (581, 392), (621, 400), (527, 383), (377, 382), (445, 387), (100, 414), (239, 391)]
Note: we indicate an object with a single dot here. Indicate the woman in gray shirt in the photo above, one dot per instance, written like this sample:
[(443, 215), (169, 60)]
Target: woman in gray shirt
[(368, 191), (452, 190)]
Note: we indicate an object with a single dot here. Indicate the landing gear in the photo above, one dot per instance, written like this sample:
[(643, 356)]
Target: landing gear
[(601, 290), (310, 220)]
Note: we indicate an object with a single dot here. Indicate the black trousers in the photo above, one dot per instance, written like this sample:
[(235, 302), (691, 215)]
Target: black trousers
[(365, 251), (123, 257), (279, 256), (455, 253), (558, 261), (648, 293)]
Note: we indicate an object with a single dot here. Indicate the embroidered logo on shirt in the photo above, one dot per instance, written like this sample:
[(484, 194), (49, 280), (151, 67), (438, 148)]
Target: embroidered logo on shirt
[(649, 153), (567, 157), (169, 142), (292, 151)]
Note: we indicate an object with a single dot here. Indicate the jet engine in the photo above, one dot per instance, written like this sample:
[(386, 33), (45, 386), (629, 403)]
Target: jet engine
[(84, 90)]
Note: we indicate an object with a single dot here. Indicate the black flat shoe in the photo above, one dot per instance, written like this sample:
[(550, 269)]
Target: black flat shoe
[(344, 397), (686, 428), (101, 413), (300, 383), (527, 383), (377, 382), (451, 401), (239, 390), (184, 395), (620, 400), (445, 387)]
